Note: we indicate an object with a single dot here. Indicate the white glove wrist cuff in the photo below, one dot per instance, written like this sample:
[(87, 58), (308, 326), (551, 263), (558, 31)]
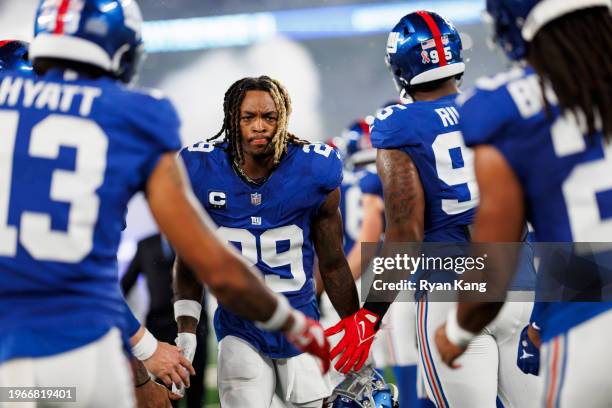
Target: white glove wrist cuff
[(189, 308), (146, 346), (455, 333), (186, 335), (279, 316)]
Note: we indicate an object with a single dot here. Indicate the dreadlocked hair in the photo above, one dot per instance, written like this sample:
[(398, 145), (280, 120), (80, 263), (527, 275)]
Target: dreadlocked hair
[(578, 66), (231, 121)]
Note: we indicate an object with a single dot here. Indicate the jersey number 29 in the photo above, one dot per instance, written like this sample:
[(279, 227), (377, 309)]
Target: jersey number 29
[(267, 246)]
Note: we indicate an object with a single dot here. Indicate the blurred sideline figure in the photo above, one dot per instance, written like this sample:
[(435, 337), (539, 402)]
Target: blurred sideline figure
[(77, 146), (548, 143)]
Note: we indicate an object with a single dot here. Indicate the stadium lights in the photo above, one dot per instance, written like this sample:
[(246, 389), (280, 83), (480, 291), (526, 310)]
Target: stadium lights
[(233, 30)]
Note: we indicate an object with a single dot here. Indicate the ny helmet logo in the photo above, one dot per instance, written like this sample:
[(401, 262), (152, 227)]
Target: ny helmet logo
[(255, 198)]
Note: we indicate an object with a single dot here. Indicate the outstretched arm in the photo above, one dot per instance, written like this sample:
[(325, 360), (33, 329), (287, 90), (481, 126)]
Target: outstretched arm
[(500, 218), (187, 288), (334, 270), (404, 210), (404, 196)]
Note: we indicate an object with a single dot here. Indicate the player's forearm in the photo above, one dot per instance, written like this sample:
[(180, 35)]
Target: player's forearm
[(335, 271), (234, 286), (340, 287), (405, 232), (184, 284), (404, 196), (187, 324), (186, 288), (413, 232), (246, 295), (139, 371)]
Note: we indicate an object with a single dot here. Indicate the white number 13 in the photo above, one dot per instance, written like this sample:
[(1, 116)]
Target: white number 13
[(78, 187)]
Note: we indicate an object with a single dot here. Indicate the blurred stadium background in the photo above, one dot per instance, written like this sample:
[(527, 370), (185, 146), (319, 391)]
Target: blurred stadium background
[(329, 54)]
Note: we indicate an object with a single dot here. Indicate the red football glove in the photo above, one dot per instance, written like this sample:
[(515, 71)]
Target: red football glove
[(359, 331), (308, 336)]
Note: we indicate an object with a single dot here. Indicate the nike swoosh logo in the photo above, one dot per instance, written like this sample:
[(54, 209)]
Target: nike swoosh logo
[(526, 355), (362, 331)]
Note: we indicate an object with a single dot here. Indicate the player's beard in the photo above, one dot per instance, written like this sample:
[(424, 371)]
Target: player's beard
[(261, 154)]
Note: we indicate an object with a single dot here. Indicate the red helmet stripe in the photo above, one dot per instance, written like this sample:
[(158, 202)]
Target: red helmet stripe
[(4, 42), (437, 36), (59, 20), (365, 128)]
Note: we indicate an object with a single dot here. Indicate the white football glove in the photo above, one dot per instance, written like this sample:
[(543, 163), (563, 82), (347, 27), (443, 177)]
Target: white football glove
[(187, 342)]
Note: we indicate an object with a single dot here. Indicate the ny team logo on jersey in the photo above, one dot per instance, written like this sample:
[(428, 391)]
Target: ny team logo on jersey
[(255, 198), (60, 16)]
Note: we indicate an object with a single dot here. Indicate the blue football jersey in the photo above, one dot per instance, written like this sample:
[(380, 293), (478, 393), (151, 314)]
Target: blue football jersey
[(269, 223), (370, 183), (350, 208), (429, 133), (566, 178), (354, 185), (73, 153)]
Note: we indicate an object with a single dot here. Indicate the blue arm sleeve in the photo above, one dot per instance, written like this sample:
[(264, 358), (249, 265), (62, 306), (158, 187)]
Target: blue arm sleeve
[(133, 324)]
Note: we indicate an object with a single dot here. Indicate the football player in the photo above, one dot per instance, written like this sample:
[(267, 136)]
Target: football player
[(161, 359), (276, 198), (544, 154), (76, 146), (430, 195)]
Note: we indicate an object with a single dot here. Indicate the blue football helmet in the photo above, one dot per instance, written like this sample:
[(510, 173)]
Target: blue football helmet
[(102, 33), (355, 144), (14, 56), (423, 47), (516, 22), (364, 389)]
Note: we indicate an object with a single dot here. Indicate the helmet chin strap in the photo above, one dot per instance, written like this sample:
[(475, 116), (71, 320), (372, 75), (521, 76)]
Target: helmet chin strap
[(405, 97)]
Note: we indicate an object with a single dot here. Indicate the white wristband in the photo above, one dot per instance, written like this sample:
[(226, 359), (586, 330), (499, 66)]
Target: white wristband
[(146, 346), (455, 333), (187, 308), (279, 317)]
